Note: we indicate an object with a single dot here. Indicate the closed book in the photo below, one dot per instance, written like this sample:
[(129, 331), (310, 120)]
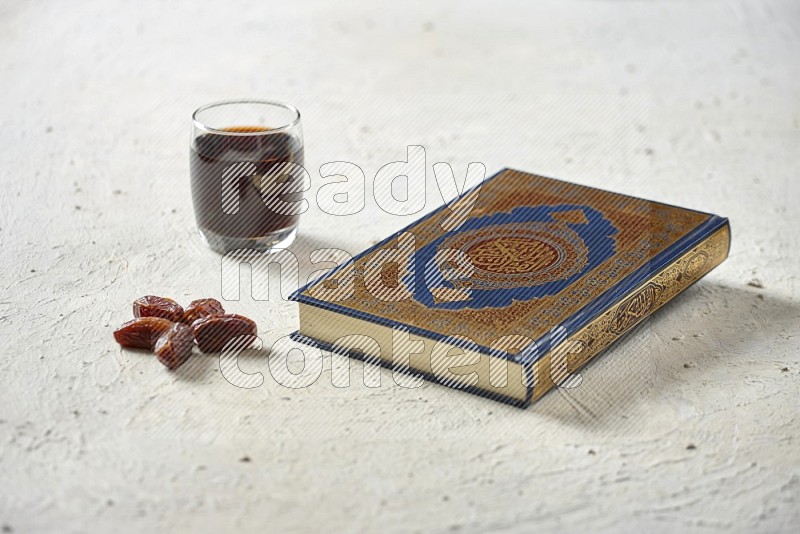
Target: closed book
[(509, 289)]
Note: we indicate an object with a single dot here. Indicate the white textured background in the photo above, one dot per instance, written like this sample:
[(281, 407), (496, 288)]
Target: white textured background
[(695, 103)]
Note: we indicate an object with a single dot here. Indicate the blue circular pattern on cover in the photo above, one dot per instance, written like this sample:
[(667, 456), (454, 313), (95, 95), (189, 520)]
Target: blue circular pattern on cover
[(531, 252)]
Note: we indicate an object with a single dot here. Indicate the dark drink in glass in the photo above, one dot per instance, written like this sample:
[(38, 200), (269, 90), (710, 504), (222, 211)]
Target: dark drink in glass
[(247, 174)]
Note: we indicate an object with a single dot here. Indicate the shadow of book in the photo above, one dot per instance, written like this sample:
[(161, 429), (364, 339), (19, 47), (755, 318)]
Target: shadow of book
[(704, 339), (707, 342)]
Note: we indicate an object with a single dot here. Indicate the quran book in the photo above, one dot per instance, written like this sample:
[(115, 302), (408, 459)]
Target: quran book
[(509, 289)]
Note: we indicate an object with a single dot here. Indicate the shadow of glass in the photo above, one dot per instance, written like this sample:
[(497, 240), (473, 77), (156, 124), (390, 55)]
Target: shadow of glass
[(304, 245)]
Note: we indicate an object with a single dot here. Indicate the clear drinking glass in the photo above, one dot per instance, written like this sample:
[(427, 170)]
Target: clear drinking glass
[(247, 174)]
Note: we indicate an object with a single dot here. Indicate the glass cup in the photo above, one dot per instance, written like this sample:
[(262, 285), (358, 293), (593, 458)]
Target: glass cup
[(247, 174)]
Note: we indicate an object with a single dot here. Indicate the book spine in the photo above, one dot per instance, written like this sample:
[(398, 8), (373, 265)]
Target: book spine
[(619, 319)]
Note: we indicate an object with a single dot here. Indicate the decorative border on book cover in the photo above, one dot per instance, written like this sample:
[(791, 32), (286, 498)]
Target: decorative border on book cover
[(646, 236)]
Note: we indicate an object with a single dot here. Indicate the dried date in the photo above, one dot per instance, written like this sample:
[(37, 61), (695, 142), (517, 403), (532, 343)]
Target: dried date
[(200, 308), (142, 332), (152, 306), (213, 332), (174, 346)]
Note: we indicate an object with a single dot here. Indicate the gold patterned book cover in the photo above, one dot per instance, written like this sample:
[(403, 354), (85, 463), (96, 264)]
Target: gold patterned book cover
[(509, 289)]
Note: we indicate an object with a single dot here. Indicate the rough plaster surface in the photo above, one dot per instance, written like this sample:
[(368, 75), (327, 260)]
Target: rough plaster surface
[(691, 424)]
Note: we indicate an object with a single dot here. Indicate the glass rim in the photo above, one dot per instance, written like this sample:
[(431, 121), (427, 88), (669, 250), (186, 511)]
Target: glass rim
[(200, 125)]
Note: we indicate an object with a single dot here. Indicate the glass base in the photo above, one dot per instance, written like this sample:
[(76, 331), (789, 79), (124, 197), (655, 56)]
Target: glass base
[(223, 244)]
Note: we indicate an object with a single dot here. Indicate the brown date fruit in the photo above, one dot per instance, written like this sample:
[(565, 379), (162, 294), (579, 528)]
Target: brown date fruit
[(174, 346), (142, 332), (202, 308), (213, 332), (152, 306)]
